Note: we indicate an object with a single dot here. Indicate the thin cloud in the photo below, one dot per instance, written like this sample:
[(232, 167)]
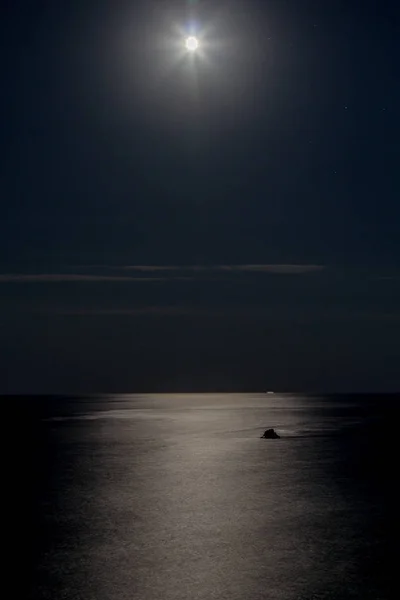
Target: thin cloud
[(289, 269), (157, 273), (387, 278), (65, 278), (139, 311), (244, 312), (283, 269)]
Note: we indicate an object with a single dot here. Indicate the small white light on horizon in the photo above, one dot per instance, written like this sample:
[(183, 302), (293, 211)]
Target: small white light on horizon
[(191, 43)]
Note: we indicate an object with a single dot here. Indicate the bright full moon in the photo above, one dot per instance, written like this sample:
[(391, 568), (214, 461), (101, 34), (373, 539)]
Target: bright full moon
[(191, 44)]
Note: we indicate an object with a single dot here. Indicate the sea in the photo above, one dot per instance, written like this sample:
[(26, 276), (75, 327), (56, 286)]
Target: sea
[(178, 497)]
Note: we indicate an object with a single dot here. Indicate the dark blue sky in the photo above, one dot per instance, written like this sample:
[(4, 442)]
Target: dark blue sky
[(277, 146)]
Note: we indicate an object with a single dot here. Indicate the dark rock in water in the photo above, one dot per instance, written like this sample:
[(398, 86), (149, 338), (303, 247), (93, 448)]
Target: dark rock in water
[(270, 434)]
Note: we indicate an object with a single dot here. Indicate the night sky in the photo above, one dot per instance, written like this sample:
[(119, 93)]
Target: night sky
[(225, 220)]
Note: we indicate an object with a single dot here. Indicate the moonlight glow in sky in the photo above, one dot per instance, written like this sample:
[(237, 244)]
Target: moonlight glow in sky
[(235, 139), (191, 44)]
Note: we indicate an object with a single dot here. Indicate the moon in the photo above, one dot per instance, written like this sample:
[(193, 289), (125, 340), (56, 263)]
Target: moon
[(191, 43)]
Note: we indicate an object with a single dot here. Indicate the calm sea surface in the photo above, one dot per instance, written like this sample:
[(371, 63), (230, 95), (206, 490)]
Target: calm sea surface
[(176, 497)]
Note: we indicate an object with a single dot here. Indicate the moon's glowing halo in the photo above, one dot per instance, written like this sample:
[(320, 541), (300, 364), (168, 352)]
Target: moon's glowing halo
[(191, 43)]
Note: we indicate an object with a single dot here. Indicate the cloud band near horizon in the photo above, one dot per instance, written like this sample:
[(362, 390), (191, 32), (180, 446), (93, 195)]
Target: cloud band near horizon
[(167, 273)]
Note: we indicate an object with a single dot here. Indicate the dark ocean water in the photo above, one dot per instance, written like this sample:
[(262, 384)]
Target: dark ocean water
[(177, 497)]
